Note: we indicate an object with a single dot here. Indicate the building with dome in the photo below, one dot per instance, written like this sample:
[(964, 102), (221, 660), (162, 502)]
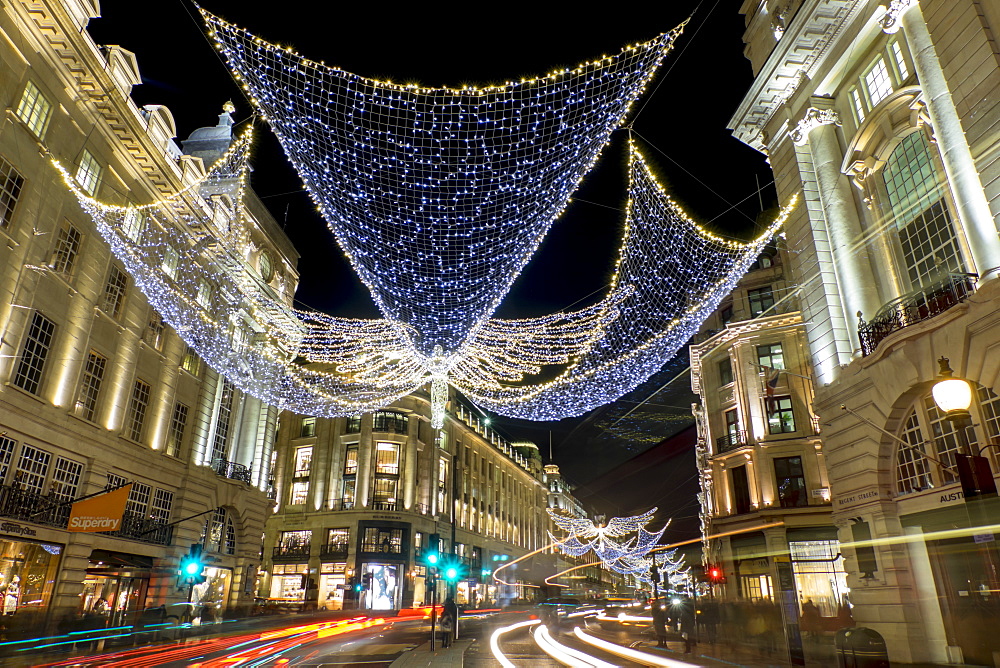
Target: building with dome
[(97, 390)]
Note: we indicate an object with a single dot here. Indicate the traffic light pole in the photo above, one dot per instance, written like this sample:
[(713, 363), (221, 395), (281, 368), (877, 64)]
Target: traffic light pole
[(433, 612)]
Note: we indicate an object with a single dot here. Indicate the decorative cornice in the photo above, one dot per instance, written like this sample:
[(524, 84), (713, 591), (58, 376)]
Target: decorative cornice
[(895, 10), (813, 119)]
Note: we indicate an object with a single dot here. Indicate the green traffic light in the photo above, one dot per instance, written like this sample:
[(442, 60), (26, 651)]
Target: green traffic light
[(432, 559), (451, 573), (192, 568)]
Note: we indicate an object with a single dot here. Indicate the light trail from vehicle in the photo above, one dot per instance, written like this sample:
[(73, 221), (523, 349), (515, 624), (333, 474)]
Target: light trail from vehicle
[(565, 655), (495, 641), (644, 658)]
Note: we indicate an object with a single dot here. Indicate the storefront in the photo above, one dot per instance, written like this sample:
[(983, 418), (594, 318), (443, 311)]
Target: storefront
[(211, 596), (114, 588), (384, 585), (332, 585), (287, 581), (27, 578)]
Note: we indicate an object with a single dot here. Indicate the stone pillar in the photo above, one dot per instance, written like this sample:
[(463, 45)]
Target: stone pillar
[(853, 269), (971, 206), (362, 491), (409, 456)]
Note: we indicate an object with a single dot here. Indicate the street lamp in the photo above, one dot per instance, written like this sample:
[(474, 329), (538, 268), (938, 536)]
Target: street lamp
[(953, 396)]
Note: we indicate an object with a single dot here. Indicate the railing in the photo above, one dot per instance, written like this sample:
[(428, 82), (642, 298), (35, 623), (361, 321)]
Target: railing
[(293, 550), (422, 509), (384, 505), (341, 504), (138, 527), (232, 470), (338, 549), (913, 308), (731, 441)]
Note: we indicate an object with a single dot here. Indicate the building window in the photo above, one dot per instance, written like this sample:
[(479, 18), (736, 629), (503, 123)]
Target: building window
[(820, 576), (191, 362), (878, 82), (385, 541), (66, 476), (897, 56), (347, 500), (204, 297), (6, 453), (66, 251), (178, 423), (153, 336), (732, 425), (353, 425), (726, 314), (136, 414), (914, 187), (266, 266), (223, 421), (387, 458), (300, 491), (32, 467), (138, 499), (386, 421), (385, 493), (303, 461), (170, 261), (989, 402), (857, 105), (442, 484), (220, 533), (791, 481), (88, 174), (771, 356), (351, 460), (10, 189), (338, 540), (912, 474), (741, 489), (726, 371), (90, 385), (780, 418), (133, 224), (946, 444), (761, 299), (28, 375), (307, 429), (114, 292), (163, 501), (34, 109)]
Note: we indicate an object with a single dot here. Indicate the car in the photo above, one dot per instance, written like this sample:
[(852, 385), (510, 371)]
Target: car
[(554, 610)]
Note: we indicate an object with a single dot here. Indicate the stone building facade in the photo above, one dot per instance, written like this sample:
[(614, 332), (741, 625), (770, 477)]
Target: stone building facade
[(885, 117), (96, 389)]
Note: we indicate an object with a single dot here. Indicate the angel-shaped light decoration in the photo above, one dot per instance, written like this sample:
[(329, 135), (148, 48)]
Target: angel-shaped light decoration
[(618, 543)]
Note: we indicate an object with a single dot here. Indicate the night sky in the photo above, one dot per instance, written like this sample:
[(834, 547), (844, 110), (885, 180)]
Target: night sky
[(681, 126)]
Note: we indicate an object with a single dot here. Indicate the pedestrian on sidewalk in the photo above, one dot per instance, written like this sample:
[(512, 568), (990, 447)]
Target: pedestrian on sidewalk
[(659, 622), (449, 617), (687, 625)]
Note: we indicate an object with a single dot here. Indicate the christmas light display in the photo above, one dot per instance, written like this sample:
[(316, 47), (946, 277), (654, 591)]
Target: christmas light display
[(438, 197), (605, 540)]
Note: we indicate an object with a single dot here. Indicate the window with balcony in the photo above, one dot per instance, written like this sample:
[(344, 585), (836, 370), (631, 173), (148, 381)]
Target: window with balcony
[(299, 493), (32, 469), (385, 492), (337, 540), (223, 422), (771, 356), (387, 458), (66, 475), (732, 417), (348, 497), (11, 183), (761, 300), (385, 541), (34, 109), (388, 421), (791, 482), (780, 417)]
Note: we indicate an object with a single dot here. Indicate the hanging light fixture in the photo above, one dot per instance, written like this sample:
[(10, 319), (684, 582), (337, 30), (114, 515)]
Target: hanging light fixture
[(953, 396)]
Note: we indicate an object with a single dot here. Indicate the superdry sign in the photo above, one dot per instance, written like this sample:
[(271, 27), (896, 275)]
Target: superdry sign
[(100, 513)]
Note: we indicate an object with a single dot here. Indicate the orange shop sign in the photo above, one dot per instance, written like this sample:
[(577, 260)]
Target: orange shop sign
[(100, 513)]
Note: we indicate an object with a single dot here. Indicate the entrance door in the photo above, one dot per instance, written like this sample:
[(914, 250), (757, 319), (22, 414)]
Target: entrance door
[(972, 610), (116, 599)]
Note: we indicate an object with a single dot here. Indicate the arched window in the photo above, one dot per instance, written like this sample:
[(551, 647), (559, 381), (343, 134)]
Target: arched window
[(219, 534), (933, 441), (919, 213)]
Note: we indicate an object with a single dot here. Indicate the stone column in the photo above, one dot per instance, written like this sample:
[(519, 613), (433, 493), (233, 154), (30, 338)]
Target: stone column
[(362, 491), (963, 176), (409, 456), (853, 269)]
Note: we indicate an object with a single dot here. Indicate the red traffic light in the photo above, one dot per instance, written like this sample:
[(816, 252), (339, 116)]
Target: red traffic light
[(714, 573)]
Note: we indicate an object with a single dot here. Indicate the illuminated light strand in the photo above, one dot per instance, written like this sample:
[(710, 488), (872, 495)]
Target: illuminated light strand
[(643, 658), (438, 196), (565, 655), (495, 641)]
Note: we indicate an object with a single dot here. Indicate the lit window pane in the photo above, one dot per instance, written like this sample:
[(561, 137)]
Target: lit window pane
[(878, 82)]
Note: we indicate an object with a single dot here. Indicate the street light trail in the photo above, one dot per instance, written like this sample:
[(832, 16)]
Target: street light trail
[(644, 658), (495, 641), (565, 655)]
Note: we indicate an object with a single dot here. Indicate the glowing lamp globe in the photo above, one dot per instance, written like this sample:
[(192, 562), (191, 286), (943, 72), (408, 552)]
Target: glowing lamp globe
[(953, 396)]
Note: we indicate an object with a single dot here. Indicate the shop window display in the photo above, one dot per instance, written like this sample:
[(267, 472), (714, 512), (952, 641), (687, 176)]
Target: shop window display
[(27, 575), (286, 581), (332, 583)]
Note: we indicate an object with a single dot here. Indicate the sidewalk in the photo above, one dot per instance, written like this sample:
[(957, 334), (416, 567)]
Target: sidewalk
[(418, 657)]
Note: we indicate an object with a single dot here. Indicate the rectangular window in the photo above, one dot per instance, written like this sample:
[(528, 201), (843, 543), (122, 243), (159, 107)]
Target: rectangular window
[(442, 484), (349, 495), (791, 482), (930, 247), (163, 501), (6, 453), (300, 490), (353, 425), (223, 421), (303, 462), (10, 189), (726, 371), (178, 423), (912, 470), (88, 174), (878, 82), (761, 299), (191, 362), (295, 538), (732, 425), (204, 297), (34, 110), (741, 490), (170, 261), (115, 481), (66, 476), (138, 499), (386, 541), (780, 418), (385, 491), (387, 421), (989, 402), (351, 460), (114, 292), (90, 385), (857, 103), (307, 429), (28, 375), (338, 538), (134, 224), (153, 336), (136, 415), (32, 467), (726, 314), (66, 251), (771, 356), (387, 458), (897, 55)]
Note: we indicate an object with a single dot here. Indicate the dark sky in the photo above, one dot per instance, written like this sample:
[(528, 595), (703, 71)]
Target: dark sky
[(682, 119)]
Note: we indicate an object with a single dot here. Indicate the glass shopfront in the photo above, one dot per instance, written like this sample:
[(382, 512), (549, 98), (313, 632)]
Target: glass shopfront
[(212, 595), (286, 581), (27, 577), (384, 590), (332, 584)]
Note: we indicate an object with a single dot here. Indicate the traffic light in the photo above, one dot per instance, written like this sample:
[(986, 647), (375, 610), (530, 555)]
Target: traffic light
[(453, 570), (432, 558), (716, 575), (192, 568)]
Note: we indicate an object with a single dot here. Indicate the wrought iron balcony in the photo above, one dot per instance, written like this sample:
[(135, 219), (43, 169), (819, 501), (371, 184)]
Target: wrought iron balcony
[(232, 470), (422, 509), (731, 441), (341, 504), (291, 550), (139, 527), (915, 307), (384, 505), (337, 549)]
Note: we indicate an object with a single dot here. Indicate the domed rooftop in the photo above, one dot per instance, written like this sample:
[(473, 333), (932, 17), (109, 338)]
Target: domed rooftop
[(210, 143)]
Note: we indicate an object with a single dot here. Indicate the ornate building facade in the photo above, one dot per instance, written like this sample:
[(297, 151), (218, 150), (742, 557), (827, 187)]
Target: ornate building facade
[(96, 389), (359, 499), (885, 117)]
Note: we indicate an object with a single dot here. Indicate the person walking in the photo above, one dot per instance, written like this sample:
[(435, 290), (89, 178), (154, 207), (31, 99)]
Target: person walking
[(687, 619), (449, 621), (659, 622)]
